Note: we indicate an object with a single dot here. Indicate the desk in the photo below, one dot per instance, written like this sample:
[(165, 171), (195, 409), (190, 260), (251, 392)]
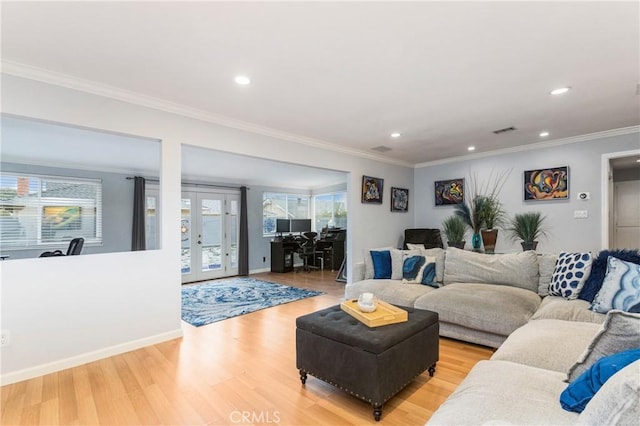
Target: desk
[(333, 253), (282, 255)]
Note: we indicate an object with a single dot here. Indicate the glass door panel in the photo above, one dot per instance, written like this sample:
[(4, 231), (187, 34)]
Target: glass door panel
[(211, 237), (185, 236)]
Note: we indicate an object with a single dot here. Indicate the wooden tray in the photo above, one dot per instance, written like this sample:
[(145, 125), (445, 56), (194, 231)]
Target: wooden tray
[(385, 314)]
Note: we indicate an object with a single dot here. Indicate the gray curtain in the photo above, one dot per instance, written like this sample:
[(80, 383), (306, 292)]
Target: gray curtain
[(138, 232), (243, 248)]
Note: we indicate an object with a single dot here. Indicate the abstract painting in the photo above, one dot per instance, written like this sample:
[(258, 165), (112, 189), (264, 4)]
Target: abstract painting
[(546, 184), (449, 192), (399, 199), (372, 190)]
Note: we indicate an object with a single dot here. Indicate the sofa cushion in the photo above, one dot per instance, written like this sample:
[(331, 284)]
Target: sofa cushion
[(570, 274), (556, 307), (620, 331), (546, 266), (493, 308), (502, 392), (391, 291), (549, 344), (599, 269), (579, 392), (513, 269), (620, 288), (617, 402)]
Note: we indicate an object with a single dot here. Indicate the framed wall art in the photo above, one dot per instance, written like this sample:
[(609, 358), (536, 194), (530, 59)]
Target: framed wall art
[(399, 199), (546, 184), (372, 190), (448, 192)]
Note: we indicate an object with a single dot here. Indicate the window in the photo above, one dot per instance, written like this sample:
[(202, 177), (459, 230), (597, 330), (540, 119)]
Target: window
[(282, 206), (44, 210), (331, 210)]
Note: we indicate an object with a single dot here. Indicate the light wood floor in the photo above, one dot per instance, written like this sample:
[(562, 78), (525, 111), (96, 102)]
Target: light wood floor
[(235, 372)]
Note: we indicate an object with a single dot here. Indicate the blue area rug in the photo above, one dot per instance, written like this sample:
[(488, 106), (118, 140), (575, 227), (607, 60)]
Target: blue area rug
[(217, 300)]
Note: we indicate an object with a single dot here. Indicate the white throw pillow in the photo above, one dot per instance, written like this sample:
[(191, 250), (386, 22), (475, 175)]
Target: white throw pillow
[(570, 274)]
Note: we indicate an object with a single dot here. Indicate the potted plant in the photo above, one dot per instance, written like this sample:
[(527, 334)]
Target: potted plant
[(527, 227), (482, 209), (471, 214), (454, 228), (493, 216)]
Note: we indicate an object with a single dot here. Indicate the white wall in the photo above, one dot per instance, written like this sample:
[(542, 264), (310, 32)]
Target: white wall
[(565, 232), (129, 299)]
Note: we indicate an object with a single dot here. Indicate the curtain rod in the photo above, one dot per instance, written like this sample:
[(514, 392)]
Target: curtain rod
[(206, 185)]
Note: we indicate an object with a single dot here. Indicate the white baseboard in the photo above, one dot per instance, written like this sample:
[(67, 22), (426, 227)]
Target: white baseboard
[(74, 361), (257, 271)]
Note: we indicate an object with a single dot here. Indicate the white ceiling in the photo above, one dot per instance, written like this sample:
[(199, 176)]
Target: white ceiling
[(444, 74)]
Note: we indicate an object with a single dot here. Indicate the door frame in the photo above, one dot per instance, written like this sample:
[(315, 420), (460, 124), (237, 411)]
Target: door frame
[(607, 193), (226, 196)]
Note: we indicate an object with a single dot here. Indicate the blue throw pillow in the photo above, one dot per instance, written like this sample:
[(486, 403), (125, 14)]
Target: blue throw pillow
[(599, 269), (579, 392), (620, 288), (381, 264)]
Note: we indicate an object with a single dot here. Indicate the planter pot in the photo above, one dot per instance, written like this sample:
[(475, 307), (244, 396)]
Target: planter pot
[(529, 245), (489, 238), (476, 241), (459, 244)]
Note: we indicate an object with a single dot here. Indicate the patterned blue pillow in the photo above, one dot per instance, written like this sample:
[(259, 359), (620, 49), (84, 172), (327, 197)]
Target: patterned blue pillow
[(419, 270), (570, 274), (620, 288), (599, 269), (412, 269), (577, 395), (381, 264)]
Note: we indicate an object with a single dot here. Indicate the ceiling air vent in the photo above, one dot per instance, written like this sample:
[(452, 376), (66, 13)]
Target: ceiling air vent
[(381, 148), (505, 130)]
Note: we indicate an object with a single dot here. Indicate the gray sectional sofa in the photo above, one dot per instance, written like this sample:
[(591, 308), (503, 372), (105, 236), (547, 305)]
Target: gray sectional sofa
[(480, 298), (502, 301)]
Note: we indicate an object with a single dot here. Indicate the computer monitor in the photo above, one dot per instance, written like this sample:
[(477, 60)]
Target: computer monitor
[(283, 225), (300, 225)]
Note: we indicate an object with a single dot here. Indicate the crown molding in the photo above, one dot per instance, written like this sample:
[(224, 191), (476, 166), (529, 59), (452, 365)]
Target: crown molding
[(69, 82), (538, 145)]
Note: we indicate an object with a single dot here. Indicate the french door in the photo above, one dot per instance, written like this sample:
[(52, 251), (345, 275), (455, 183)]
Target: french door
[(209, 234)]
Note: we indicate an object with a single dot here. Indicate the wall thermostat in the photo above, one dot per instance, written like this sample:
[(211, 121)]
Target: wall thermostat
[(584, 196)]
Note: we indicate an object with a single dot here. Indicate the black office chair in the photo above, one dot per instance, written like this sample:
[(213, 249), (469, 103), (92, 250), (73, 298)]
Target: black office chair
[(74, 249), (307, 250)]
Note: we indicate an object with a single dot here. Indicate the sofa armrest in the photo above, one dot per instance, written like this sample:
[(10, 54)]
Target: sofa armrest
[(358, 272)]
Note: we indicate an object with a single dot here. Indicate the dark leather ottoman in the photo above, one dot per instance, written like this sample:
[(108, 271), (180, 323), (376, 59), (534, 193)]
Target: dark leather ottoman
[(372, 364)]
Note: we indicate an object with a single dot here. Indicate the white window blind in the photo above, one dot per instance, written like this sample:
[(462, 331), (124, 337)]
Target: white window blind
[(38, 210)]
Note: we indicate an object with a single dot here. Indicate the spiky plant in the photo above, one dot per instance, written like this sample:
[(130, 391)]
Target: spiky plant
[(454, 228), (527, 226), (472, 213)]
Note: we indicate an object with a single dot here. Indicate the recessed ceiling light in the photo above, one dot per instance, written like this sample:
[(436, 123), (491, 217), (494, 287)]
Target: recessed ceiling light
[(544, 134), (471, 148), (638, 160), (560, 90), (395, 135), (242, 80)]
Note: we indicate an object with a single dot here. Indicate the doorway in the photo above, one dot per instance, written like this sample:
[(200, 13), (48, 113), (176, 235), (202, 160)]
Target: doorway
[(209, 234)]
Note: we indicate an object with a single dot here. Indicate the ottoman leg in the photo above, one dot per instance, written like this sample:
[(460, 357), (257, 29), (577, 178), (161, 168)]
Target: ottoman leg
[(432, 370), (377, 412), (303, 376)]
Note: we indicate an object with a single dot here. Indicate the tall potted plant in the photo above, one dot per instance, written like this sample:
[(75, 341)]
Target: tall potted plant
[(493, 216), (482, 209), (527, 227), (471, 214), (454, 228)]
